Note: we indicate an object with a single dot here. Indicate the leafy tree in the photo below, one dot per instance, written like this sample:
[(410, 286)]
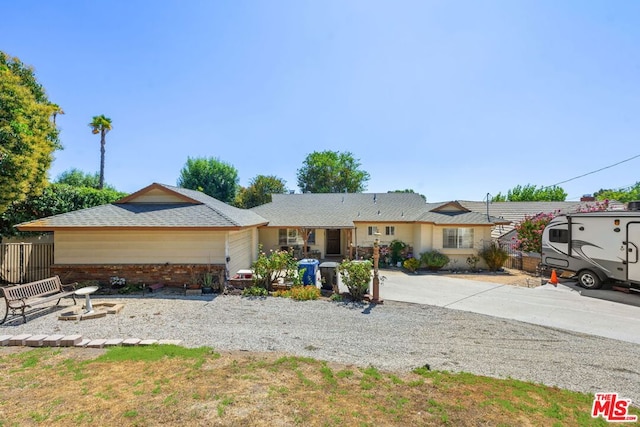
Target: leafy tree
[(331, 172), (54, 200), (259, 191), (408, 190), (76, 178), (28, 137), (211, 176), (101, 125), (530, 193), (621, 195)]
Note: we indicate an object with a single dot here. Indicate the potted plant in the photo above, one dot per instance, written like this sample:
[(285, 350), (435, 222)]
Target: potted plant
[(207, 282)]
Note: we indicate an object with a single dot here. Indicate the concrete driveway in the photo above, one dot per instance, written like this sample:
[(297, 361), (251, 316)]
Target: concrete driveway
[(566, 306)]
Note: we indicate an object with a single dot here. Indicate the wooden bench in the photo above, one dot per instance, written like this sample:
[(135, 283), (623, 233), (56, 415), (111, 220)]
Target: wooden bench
[(21, 297)]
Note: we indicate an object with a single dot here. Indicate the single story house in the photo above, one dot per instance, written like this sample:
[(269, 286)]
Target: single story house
[(171, 235), (159, 234), (343, 224)]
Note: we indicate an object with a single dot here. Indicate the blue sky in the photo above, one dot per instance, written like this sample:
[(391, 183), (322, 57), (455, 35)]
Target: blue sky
[(453, 99)]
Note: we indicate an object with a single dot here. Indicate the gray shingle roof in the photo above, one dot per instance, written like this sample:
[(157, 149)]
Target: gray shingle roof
[(201, 211), (342, 210)]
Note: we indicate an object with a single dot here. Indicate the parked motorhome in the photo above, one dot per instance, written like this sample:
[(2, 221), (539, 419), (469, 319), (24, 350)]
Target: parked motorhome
[(596, 246)]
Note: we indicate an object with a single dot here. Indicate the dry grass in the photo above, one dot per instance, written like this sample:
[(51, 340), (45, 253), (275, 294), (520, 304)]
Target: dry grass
[(171, 385)]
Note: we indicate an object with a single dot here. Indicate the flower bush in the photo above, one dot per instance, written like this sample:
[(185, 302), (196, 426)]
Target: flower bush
[(299, 293), (531, 228), (117, 282)]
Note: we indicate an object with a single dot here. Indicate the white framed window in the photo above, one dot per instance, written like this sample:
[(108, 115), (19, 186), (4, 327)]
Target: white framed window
[(371, 230), (390, 230), (289, 236), (457, 238)]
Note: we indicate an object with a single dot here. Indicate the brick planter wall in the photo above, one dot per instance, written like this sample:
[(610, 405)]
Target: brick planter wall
[(530, 262), (167, 274)]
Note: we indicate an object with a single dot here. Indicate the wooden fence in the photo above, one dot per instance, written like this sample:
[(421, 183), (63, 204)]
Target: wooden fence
[(515, 256), (25, 262)]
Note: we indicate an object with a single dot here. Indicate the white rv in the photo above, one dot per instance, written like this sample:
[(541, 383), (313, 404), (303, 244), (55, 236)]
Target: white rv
[(596, 246)]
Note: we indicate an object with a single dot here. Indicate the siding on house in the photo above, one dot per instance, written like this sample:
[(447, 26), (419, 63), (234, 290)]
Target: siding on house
[(139, 247), (158, 195), (241, 250)]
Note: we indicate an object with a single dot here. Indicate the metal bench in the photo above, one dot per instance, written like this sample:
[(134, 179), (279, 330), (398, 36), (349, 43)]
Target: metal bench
[(21, 297)]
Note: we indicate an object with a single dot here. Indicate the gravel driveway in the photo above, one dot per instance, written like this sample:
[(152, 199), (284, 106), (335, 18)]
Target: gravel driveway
[(394, 336)]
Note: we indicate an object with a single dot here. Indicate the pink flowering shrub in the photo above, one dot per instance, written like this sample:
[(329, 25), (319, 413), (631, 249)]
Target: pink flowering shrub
[(530, 232), (531, 228)]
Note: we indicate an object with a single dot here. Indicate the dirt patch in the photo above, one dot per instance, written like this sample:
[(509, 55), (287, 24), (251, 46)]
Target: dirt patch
[(508, 277)]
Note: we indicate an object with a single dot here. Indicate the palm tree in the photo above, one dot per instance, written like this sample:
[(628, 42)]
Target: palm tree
[(56, 110), (101, 125)]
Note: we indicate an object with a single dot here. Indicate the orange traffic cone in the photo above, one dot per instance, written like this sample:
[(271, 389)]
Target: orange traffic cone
[(554, 278)]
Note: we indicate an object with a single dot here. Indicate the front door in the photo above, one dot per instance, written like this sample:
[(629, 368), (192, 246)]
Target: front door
[(333, 242)]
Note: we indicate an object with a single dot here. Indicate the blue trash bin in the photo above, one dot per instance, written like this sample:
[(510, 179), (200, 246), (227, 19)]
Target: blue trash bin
[(310, 270)]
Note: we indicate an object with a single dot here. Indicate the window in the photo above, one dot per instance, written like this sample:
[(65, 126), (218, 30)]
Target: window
[(457, 238), (390, 230), (559, 235), (288, 236), (371, 230)]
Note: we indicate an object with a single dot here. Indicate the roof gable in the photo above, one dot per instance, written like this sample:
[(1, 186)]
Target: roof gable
[(156, 193), (155, 206), (453, 207)]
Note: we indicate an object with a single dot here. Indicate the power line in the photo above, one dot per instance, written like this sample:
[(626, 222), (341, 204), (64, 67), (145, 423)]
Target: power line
[(592, 172)]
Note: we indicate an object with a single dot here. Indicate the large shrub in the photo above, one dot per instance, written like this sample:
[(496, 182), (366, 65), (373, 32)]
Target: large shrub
[(356, 275), (530, 232), (411, 264), (268, 268), (433, 260), (396, 247), (494, 255)]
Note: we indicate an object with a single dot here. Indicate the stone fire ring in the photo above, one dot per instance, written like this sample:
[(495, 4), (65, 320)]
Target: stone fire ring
[(100, 309)]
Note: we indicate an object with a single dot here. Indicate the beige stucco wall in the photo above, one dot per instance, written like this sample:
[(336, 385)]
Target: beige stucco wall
[(403, 232), (139, 247), (458, 257)]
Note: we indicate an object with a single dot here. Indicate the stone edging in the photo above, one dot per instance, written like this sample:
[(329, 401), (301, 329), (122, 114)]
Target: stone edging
[(29, 340)]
